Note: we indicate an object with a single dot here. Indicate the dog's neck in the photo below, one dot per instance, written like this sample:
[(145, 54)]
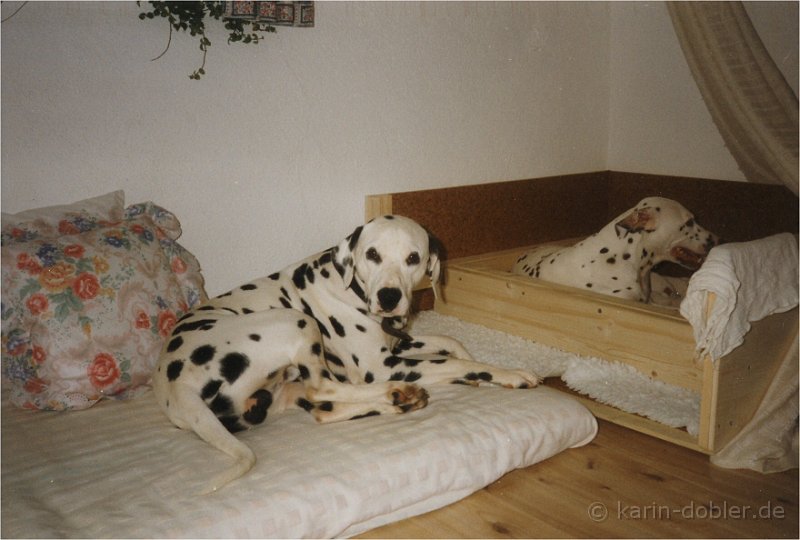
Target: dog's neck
[(357, 287), (634, 243), (388, 326)]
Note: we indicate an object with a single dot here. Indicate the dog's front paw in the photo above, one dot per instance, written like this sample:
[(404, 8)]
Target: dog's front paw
[(408, 397)]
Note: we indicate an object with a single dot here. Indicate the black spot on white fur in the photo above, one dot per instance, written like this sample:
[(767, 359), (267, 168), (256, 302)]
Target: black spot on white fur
[(257, 412), (337, 326), (175, 344), (174, 369), (232, 366), (202, 355), (210, 389), (202, 324)]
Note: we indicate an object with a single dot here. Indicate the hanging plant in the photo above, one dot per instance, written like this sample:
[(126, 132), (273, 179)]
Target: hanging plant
[(191, 17)]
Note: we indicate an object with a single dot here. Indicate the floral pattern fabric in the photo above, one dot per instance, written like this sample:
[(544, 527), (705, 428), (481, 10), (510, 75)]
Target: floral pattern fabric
[(87, 303)]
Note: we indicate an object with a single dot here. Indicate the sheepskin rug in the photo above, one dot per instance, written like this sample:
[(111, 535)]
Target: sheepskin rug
[(611, 383)]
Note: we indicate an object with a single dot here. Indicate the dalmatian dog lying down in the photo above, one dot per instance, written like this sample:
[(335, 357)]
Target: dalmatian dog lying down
[(618, 259), (324, 334)]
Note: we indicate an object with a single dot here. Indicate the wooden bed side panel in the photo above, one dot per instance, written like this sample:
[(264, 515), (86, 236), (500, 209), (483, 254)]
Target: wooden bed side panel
[(575, 321), (489, 217), (377, 205), (736, 211)]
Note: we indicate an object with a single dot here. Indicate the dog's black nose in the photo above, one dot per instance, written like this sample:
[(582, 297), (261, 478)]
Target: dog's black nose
[(389, 298)]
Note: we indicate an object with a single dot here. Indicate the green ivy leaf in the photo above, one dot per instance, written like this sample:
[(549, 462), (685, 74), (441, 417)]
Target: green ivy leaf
[(191, 16)]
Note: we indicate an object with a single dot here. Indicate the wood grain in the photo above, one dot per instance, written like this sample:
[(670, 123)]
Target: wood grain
[(650, 489)]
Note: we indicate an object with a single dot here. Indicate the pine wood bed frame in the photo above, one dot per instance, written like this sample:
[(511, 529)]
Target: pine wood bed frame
[(484, 227)]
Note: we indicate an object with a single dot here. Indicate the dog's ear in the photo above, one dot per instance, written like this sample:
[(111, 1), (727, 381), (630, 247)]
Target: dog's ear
[(637, 220), (435, 253), (344, 260)]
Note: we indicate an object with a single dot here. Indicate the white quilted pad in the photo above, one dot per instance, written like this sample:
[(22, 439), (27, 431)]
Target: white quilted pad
[(119, 469)]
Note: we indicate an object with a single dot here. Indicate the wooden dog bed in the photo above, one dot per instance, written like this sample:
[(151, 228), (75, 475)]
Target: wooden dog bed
[(485, 227)]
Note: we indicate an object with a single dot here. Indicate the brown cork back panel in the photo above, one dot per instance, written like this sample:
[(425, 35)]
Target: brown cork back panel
[(490, 217), (476, 219)]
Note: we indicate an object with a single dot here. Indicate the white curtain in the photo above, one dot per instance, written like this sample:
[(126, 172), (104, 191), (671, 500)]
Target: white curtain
[(751, 103)]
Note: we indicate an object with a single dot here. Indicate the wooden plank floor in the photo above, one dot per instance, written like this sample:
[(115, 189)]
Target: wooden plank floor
[(622, 485)]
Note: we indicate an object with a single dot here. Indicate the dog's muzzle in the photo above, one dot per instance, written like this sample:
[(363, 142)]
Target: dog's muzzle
[(388, 298)]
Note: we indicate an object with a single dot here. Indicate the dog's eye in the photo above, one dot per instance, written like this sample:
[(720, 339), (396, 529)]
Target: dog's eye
[(372, 255), (412, 259), (689, 223)]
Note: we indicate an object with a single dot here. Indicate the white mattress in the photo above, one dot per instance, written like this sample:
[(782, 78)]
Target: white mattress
[(119, 469)]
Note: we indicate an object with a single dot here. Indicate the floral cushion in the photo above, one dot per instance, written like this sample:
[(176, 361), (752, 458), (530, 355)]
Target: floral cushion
[(63, 219), (89, 294)]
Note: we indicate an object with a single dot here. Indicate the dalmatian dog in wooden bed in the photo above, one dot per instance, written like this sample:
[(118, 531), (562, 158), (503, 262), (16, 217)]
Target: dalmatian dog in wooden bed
[(618, 259), (324, 334)]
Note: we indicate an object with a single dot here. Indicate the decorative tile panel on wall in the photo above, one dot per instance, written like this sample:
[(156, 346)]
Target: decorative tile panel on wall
[(276, 13)]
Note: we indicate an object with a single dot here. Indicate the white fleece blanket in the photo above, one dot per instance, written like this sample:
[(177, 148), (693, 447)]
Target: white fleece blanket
[(612, 383), (751, 280)]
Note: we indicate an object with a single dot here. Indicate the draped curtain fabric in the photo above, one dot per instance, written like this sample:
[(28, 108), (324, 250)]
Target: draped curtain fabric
[(751, 103)]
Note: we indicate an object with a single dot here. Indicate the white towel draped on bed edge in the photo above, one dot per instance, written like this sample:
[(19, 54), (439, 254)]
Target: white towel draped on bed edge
[(751, 280)]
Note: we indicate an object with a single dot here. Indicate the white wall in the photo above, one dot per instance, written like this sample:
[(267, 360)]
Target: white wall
[(269, 157), (658, 120)]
